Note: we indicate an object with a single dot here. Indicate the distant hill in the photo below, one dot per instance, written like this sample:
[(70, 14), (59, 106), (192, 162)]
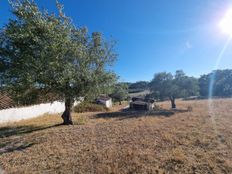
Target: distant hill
[(140, 93), (139, 86)]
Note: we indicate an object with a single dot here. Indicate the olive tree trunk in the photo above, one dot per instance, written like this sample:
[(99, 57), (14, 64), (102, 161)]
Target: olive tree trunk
[(173, 104), (66, 116)]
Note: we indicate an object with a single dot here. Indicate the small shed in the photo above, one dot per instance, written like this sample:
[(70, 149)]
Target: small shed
[(105, 100)]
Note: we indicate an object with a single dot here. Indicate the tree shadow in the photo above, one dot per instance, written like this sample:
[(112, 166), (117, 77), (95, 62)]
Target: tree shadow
[(8, 131), (129, 113), (8, 143), (14, 146)]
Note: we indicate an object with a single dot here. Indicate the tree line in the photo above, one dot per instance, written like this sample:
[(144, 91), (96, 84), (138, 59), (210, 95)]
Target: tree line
[(168, 86)]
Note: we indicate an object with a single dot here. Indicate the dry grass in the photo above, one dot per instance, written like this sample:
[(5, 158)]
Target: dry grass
[(181, 141), (89, 107)]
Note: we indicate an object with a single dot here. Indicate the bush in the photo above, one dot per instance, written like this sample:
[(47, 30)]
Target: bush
[(89, 107)]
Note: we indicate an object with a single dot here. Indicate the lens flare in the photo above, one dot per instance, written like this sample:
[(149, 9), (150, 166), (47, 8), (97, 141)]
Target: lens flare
[(226, 23), (220, 56), (211, 85), (226, 27)]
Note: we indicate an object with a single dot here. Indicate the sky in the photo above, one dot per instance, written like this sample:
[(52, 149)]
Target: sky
[(153, 35)]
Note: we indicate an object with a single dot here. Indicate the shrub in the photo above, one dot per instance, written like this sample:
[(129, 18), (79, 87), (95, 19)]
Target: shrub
[(89, 107)]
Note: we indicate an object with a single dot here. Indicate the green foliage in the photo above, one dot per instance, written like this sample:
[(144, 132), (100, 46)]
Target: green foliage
[(44, 51), (221, 81), (89, 107), (120, 92), (154, 95), (161, 85), (165, 85), (30, 97)]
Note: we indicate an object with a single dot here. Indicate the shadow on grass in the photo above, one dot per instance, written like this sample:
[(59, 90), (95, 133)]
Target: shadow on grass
[(8, 131), (128, 113), (18, 143), (14, 146)]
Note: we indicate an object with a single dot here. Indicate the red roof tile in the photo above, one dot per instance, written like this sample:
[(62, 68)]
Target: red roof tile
[(5, 101)]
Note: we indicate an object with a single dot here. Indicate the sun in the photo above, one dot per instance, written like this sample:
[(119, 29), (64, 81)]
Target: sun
[(226, 23)]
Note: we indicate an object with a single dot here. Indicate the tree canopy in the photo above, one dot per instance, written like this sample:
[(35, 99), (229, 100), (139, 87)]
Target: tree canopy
[(39, 50), (165, 85), (221, 81), (120, 92)]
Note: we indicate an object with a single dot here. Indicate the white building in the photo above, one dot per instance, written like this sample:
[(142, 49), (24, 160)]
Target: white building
[(105, 100)]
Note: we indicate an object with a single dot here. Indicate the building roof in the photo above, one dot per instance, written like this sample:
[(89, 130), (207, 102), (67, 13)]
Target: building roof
[(141, 99), (5, 101), (139, 103), (105, 98)]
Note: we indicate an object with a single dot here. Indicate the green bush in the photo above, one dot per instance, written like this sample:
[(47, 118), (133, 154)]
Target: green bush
[(89, 107)]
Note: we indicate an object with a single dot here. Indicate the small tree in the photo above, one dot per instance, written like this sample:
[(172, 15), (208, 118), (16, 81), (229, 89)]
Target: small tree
[(43, 51), (120, 92), (172, 87)]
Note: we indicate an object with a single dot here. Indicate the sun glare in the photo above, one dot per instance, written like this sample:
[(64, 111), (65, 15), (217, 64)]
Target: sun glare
[(226, 23)]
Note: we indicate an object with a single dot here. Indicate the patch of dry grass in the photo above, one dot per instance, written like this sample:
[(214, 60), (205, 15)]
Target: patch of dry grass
[(195, 141), (89, 107)]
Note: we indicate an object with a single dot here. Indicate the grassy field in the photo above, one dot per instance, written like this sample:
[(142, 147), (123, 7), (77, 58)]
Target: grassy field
[(165, 141)]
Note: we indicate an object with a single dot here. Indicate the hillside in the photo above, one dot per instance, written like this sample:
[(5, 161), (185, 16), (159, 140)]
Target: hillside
[(139, 94), (123, 142)]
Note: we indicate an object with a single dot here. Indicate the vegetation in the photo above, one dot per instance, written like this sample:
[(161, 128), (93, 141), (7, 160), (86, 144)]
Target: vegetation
[(123, 142), (165, 85), (44, 51), (89, 107), (221, 83), (120, 92), (138, 86), (45, 55)]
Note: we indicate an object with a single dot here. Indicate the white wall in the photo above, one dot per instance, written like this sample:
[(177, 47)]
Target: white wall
[(109, 103), (16, 114)]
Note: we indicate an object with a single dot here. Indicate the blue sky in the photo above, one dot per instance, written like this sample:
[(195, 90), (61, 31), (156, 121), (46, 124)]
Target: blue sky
[(153, 35)]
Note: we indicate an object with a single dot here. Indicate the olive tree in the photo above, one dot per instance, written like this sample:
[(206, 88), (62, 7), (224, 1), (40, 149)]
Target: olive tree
[(120, 92), (39, 50), (168, 86)]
